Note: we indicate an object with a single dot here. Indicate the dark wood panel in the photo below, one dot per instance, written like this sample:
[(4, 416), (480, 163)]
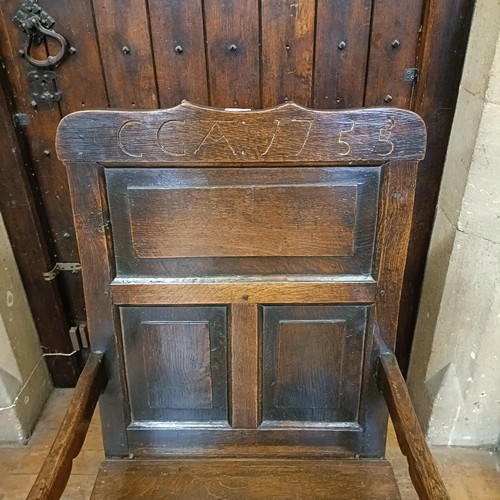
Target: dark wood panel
[(312, 361), (176, 357), (179, 51), (80, 77), (287, 51), (214, 439), (226, 215), (240, 480), (309, 364), (191, 134), (124, 40), (232, 34), (80, 80), (52, 181), (342, 40), (176, 362), (396, 28), (48, 177), (372, 410), (49, 172), (20, 208), (245, 393), (351, 427), (235, 221)]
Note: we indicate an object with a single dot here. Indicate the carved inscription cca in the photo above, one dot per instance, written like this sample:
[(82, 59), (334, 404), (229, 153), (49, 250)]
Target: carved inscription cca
[(230, 136)]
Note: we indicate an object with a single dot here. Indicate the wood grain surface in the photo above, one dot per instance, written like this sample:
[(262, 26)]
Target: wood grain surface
[(176, 360), (95, 244), (251, 479), (245, 366), (393, 233), (320, 221), (312, 364), (253, 292), (155, 53), (127, 58), (239, 338), (177, 34), (287, 51), (341, 53), (395, 33), (232, 41), (190, 134), (19, 206), (243, 221)]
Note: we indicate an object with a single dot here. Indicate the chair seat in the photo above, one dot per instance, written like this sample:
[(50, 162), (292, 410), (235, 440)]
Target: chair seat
[(245, 479)]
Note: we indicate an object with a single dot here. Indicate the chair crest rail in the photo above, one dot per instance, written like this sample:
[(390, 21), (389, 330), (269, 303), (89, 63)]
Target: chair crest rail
[(191, 134)]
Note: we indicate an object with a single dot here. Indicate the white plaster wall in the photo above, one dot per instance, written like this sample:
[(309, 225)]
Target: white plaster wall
[(454, 375), (24, 379)]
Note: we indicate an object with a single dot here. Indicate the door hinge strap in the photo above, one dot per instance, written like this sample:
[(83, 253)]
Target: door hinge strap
[(74, 267)]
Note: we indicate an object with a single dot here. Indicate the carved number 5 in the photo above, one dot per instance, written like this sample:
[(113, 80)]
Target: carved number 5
[(385, 136), (347, 145)]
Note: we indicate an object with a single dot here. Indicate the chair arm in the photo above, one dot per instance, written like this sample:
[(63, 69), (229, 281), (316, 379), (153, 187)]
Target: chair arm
[(424, 473), (56, 469)]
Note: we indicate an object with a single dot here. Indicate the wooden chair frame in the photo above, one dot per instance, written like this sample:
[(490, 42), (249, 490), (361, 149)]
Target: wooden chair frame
[(285, 137)]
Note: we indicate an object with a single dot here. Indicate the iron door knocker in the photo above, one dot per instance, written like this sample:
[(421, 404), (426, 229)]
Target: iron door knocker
[(37, 24)]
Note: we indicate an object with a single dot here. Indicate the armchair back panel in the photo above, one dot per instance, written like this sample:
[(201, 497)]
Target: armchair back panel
[(236, 265)]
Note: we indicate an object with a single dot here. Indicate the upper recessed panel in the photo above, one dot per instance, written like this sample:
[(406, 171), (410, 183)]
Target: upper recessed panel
[(243, 221), (212, 222)]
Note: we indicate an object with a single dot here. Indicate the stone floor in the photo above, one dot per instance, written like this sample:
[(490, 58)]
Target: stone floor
[(469, 474)]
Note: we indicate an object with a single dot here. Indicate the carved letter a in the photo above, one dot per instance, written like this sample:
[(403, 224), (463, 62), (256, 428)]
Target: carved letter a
[(214, 135)]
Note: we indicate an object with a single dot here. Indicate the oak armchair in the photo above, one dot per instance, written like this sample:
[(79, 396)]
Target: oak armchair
[(242, 274)]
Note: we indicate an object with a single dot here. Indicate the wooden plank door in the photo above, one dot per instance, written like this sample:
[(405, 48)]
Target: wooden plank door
[(254, 53)]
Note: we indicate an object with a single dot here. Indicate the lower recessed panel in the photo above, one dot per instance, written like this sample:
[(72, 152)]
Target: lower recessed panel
[(312, 359), (175, 359), (176, 355)]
